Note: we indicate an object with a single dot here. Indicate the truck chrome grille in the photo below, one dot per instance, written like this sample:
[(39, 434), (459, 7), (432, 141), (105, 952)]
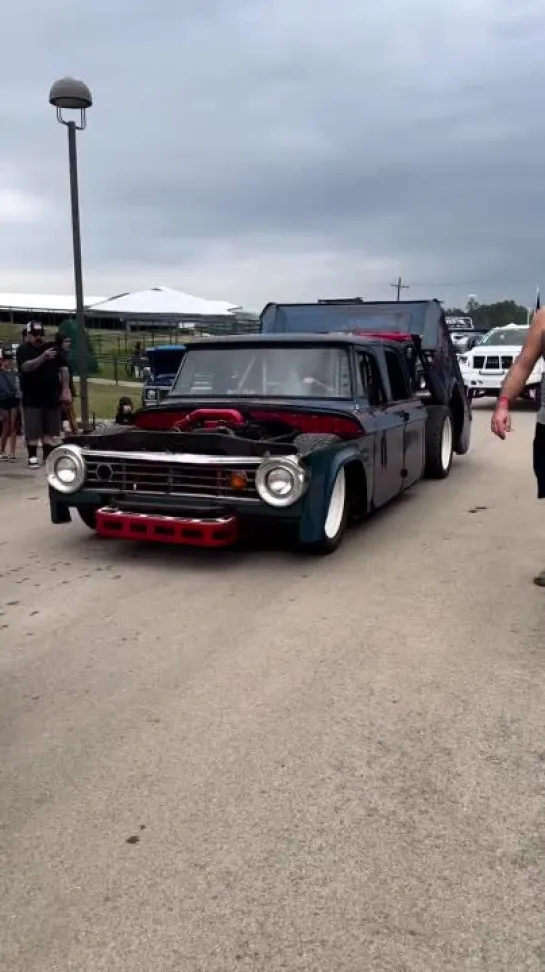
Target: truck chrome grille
[(124, 475)]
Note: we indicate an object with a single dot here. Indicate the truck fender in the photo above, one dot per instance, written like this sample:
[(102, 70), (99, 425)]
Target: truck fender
[(323, 468)]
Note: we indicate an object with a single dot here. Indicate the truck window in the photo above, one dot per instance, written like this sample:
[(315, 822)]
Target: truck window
[(369, 371), (399, 384)]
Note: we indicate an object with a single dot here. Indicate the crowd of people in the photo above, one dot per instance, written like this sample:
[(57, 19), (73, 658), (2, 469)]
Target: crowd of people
[(36, 394)]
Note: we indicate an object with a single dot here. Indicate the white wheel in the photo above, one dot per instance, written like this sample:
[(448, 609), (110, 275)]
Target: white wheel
[(337, 507), (446, 444), (336, 518)]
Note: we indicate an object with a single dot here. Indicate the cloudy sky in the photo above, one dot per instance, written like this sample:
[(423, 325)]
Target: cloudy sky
[(250, 150)]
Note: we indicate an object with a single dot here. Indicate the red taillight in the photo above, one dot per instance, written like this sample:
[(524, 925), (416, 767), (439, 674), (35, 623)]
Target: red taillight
[(343, 426)]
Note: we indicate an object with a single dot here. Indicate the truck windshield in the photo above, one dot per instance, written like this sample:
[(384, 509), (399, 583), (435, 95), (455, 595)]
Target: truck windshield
[(512, 336), (265, 372)]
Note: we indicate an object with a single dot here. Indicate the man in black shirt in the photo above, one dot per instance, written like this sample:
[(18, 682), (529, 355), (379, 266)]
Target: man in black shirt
[(44, 381)]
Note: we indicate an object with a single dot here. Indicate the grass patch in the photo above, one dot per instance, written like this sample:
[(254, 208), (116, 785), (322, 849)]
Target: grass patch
[(103, 399)]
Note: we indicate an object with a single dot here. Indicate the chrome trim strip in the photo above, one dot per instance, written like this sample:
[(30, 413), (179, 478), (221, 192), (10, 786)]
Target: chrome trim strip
[(217, 498), (111, 511), (181, 458)]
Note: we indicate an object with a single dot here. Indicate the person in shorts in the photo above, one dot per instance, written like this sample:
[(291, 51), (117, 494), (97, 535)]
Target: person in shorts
[(9, 405), (44, 381)]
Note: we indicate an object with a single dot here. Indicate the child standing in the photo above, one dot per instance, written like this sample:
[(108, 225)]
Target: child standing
[(9, 405)]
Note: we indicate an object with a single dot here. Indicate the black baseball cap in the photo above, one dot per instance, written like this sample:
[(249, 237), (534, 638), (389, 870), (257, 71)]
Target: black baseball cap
[(35, 328)]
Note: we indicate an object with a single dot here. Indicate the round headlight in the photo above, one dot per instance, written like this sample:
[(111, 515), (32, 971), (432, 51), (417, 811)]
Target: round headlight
[(151, 394), (65, 469), (280, 482)]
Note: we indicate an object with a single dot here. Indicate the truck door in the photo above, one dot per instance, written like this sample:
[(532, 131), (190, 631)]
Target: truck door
[(412, 412), (386, 425)]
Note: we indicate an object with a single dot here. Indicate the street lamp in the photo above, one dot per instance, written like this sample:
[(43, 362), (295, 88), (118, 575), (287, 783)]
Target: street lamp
[(73, 95)]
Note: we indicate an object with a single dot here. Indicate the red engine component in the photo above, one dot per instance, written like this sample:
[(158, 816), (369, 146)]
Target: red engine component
[(343, 426), (182, 531), (164, 420), (209, 418)]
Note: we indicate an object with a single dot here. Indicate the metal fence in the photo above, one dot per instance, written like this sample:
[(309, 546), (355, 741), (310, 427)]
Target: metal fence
[(107, 343), (122, 361)]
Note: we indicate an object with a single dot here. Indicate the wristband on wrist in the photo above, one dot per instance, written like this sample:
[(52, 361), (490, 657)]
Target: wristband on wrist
[(503, 401)]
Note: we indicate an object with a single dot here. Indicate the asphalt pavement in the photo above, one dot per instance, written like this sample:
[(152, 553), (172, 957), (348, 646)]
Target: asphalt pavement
[(253, 760)]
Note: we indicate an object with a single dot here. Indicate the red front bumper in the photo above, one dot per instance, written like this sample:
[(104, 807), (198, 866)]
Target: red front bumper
[(218, 532)]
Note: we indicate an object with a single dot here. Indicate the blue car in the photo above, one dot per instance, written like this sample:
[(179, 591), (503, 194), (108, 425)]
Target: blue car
[(163, 361), (311, 430)]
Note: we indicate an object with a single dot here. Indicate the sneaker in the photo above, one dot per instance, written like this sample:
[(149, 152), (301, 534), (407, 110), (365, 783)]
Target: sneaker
[(33, 463), (12, 458), (3, 457)]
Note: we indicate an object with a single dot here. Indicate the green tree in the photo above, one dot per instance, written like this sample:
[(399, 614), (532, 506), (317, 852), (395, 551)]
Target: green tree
[(487, 316), (68, 328), (500, 314)]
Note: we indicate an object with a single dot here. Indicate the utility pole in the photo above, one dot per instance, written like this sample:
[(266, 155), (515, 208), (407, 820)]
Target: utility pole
[(399, 286)]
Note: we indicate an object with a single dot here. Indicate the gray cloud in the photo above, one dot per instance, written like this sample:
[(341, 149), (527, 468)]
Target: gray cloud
[(248, 150)]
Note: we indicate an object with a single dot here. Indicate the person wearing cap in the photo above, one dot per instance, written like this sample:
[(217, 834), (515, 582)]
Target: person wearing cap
[(44, 379)]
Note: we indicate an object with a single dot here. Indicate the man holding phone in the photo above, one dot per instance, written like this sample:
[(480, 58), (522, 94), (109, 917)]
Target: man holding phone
[(44, 381)]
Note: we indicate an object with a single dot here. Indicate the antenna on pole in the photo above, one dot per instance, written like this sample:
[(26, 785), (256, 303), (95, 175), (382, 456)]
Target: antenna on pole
[(399, 286)]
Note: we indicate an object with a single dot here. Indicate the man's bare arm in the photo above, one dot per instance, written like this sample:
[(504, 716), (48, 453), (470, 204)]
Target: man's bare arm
[(35, 362), (522, 367), (65, 379)]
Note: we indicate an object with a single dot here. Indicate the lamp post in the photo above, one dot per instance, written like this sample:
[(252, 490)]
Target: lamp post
[(69, 94)]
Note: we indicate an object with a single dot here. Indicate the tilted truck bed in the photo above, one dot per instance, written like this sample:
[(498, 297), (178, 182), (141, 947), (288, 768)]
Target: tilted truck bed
[(421, 320)]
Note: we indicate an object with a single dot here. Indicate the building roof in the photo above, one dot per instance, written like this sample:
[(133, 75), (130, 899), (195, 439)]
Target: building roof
[(163, 302), (42, 303)]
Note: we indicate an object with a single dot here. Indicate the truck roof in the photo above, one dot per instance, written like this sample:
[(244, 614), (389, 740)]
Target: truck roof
[(331, 338)]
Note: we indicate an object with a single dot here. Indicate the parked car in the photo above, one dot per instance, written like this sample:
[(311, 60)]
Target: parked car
[(312, 430), (486, 365), (163, 363)]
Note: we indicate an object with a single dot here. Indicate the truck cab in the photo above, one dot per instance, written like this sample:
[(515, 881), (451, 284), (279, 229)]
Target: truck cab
[(440, 381)]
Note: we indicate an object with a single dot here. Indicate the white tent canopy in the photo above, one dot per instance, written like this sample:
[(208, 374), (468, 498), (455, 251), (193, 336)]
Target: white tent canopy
[(162, 302), (43, 303)]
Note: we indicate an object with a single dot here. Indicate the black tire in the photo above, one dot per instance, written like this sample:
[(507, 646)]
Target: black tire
[(89, 516), (328, 543), (438, 455), (309, 442)]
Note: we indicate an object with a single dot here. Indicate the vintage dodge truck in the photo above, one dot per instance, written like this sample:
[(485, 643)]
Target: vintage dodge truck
[(313, 429)]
